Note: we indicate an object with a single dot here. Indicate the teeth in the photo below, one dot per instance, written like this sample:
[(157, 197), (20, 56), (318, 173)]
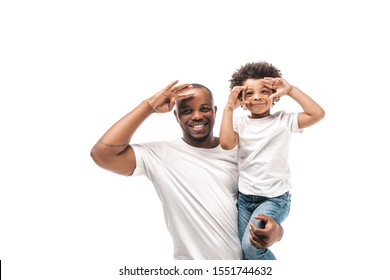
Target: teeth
[(198, 125)]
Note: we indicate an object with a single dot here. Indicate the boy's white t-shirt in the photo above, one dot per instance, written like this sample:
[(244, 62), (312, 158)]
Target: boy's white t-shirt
[(198, 190), (262, 153)]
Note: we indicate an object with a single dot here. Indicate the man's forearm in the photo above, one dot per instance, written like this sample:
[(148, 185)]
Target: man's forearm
[(122, 131)]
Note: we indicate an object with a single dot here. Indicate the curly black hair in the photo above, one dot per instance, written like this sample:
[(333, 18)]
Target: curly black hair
[(254, 70)]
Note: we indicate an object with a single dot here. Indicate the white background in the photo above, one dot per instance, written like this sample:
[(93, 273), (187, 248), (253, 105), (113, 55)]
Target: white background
[(70, 69)]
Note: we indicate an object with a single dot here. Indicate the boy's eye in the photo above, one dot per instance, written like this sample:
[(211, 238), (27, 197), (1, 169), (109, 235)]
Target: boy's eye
[(265, 91)]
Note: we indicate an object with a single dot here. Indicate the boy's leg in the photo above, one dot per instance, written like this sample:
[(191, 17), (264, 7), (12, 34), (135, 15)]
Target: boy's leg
[(244, 215), (278, 208)]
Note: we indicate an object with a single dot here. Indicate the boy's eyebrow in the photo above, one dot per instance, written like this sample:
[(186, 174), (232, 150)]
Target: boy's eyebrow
[(264, 87)]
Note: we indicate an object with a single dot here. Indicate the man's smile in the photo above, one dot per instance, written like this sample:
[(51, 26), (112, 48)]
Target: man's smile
[(197, 126)]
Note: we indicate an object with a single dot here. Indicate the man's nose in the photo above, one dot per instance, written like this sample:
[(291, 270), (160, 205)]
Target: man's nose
[(197, 115)]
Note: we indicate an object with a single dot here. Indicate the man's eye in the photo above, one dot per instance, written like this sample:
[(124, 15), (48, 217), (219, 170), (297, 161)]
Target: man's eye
[(186, 112), (206, 109)]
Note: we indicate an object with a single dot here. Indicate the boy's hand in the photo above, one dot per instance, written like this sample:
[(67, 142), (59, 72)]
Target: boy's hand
[(235, 97), (279, 85)]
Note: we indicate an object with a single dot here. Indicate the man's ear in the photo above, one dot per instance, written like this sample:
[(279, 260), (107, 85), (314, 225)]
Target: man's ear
[(215, 109), (175, 113)]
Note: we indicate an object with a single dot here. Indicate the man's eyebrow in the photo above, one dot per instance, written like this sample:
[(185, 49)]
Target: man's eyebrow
[(184, 107)]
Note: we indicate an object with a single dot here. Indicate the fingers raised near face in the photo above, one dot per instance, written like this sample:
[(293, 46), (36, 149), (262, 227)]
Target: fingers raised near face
[(169, 87), (185, 95), (180, 87), (183, 91), (271, 83), (171, 90), (235, 92)]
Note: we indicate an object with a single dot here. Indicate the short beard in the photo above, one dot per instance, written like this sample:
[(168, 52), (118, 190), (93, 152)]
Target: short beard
[(199, 139)]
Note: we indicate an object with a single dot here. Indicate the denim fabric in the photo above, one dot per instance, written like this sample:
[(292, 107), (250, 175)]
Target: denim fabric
[(250, 206)]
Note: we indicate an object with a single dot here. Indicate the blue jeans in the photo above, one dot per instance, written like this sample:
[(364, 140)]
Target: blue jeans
[(250, 206)]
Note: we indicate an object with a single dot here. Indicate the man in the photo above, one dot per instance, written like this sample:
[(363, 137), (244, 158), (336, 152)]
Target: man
[(194, 177)]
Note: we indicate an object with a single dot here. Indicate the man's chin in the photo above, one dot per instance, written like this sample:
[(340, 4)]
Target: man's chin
[(199, 138)]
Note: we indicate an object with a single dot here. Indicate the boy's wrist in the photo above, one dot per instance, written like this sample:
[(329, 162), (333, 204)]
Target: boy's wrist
[(228, 109), (292, 90)]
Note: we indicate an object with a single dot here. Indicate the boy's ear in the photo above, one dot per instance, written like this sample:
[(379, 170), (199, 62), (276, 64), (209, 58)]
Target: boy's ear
[(276, 99)]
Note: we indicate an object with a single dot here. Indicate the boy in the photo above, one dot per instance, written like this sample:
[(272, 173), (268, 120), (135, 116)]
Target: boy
[(262, 141)]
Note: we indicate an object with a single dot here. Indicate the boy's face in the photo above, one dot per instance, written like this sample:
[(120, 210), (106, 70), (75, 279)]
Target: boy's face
[(257, 97)]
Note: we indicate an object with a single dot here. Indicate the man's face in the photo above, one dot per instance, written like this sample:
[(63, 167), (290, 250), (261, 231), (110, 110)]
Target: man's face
[(196, 116)]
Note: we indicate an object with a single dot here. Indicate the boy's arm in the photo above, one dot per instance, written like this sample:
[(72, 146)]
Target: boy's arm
[(312, 112), (227, 136)]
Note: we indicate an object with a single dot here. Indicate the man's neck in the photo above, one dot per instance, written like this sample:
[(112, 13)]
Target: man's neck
[(210, 142)]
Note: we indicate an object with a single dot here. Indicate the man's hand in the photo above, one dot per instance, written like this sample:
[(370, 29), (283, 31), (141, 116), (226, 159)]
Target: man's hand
[(265, 237), (164, 100)]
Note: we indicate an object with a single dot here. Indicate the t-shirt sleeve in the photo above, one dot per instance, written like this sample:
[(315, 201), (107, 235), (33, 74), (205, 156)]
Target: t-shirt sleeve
[(235, 124), (291, 120), (148, 157)]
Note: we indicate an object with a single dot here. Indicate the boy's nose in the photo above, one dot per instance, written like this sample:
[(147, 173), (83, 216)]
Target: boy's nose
[(256, 96)]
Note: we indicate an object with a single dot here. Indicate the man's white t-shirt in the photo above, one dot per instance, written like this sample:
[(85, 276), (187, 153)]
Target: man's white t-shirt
[(262, 153), (198, 191)]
